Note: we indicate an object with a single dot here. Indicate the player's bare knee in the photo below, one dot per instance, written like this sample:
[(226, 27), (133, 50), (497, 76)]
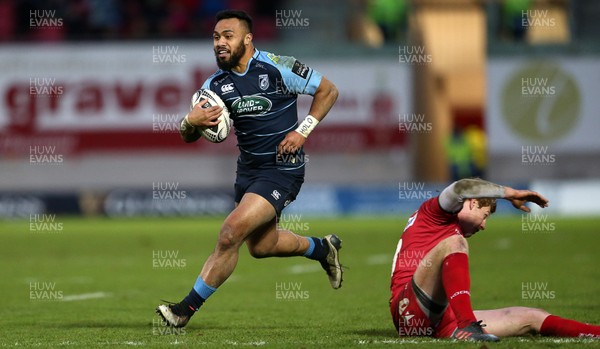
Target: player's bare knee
[(529, 319), (534, 318), (229, 237), (455, 244)]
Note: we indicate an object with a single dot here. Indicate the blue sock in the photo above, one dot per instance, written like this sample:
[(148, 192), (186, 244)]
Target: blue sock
[(199, 294), (317, 250)]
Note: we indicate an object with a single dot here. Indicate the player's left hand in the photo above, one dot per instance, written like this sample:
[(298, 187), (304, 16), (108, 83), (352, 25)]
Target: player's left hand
[(519, 198), (292, 142)]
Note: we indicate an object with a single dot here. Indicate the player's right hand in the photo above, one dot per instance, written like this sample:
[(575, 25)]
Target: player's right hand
[(204, 117)]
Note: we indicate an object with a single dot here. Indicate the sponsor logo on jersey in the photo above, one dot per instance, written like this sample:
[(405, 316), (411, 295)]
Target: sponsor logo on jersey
[(263, 81), (300, 69), (227, 88), (273, 57), (256, 105)]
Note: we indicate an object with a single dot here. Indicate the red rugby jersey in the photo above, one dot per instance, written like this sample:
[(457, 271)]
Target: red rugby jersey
[(425, 229)]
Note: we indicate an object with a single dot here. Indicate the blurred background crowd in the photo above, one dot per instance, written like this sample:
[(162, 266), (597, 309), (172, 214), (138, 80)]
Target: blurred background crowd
[(501, 89), (369, 21)]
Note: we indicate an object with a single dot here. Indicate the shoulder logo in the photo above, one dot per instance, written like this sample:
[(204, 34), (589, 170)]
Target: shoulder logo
[(300, 69), (263, 81), (273, 57), (227, 88)]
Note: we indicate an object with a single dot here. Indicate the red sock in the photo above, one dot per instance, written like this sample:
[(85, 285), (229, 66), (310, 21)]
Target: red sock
[(559, 327), (457, 283)]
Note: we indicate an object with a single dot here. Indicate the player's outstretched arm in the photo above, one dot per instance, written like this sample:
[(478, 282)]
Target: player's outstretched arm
[(452, 197)]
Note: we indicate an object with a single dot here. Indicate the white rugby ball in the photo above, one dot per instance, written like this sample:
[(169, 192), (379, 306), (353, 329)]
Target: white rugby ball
[(218, 133)]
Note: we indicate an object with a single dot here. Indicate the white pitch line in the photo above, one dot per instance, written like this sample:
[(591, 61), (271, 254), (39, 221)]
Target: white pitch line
[(133, 343), (379, 259), (305, 268), (253, 344), (448, 340), (85, 296)]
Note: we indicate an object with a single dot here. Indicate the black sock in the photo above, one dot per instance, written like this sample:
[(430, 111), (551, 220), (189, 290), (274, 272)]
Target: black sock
[(317, 250), (192, 302)]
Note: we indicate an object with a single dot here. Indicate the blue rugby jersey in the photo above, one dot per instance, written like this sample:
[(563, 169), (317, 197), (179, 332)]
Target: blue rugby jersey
[(263, 106)]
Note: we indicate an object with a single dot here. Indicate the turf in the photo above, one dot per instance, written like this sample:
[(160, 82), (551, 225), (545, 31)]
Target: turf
[(130, 264)]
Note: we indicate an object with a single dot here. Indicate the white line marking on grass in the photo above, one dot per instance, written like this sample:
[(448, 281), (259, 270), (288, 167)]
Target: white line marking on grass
[(397, 341), (559, 340), (133, 343), (448, 340), (305, 268), (503, 243), (85, 296), (379, 259), (254, 344)]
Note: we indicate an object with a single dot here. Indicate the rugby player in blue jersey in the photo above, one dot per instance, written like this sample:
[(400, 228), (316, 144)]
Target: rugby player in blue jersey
[(260, 90)]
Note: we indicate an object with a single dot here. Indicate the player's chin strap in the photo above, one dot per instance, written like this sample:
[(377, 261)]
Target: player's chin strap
[(307, 125)]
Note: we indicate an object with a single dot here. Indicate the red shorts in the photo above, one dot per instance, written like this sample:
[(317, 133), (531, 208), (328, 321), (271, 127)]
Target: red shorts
[(410, 320)]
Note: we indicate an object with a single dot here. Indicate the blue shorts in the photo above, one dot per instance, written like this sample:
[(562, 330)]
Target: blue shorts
[(279, 187)]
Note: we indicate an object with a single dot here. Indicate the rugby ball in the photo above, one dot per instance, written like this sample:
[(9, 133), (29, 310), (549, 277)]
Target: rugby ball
[(219, 132)]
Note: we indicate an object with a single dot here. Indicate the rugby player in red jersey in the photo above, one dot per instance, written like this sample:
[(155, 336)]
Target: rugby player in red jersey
[(430, 278)]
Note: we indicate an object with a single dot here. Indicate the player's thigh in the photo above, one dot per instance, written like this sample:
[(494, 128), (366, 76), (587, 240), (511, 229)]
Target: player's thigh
[(251, 214), (428, 275), (512, 321), (264, 237)]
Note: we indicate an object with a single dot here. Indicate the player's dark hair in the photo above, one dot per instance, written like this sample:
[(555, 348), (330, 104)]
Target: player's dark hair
[(239, 14)]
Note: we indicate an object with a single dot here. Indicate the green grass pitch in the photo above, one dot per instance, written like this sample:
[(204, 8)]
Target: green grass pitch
[(94, 283)]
